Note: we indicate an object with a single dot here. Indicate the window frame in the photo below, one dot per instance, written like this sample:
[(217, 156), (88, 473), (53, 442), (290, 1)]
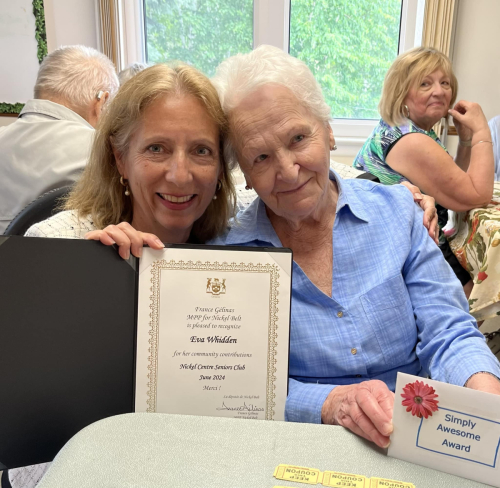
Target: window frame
[(272, 26)]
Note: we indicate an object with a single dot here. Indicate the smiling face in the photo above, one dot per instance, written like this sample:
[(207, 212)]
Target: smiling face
[(429, 101), (172, 166), (283, 151)]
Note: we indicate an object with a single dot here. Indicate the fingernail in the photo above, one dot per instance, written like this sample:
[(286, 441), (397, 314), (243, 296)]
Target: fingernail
[(127, 254), (387, 445), (159, 243), (388, 429), (139, 253), (418, 195)]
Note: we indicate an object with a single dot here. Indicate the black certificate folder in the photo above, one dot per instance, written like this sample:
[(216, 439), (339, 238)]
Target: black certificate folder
[(67, 338), (71, 345)]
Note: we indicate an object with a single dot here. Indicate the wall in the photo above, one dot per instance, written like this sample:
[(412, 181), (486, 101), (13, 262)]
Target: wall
[(476, 59), (68, 22), (475, 55)]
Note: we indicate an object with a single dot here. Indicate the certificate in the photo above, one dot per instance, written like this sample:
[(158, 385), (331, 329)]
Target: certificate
[(213, 331), (448, 428)]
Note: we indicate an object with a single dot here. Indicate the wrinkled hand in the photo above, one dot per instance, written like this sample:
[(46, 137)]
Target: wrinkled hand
[(365, 408), (428, 205), (126, 237), (468, 118)]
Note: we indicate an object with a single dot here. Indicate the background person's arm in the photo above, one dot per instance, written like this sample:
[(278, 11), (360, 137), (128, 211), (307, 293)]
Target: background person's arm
[(423, 162)]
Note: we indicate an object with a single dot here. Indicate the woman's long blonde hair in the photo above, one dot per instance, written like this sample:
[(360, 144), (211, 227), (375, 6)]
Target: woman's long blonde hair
[(99, 193), (409, 69)]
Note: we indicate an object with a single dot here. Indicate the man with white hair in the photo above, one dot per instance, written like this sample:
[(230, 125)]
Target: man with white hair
[(48, 145)]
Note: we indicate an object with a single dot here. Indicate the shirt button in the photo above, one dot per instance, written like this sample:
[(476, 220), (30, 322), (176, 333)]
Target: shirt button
[(354, 351), (340, 315)]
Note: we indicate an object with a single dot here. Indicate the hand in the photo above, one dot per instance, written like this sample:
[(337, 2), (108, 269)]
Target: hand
[(365, 408), (469, 119), (126, 237), (428, 205), (484, 382)]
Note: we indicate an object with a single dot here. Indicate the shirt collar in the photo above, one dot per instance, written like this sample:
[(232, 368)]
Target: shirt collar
[(349, 196), (253, 224), (52, 109)]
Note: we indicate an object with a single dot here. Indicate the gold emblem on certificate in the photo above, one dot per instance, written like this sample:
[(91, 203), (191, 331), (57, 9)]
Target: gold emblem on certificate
[(216, 287), (213, 332)]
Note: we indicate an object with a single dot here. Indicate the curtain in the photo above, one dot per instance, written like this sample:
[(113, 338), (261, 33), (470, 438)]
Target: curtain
[(437, 33), (111, 38)]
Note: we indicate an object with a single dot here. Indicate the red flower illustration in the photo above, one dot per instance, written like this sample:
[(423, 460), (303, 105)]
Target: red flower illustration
[(419, 398), (481, 276)]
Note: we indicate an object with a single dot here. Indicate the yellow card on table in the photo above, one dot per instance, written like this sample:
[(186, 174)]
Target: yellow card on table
[(333, 478), (383, 483), (298, 474)]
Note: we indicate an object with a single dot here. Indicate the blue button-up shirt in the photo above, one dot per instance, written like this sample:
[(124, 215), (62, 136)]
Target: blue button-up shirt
[(396, 305)]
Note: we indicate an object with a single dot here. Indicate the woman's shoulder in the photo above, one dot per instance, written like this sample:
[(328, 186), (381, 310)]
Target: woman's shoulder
[(66, 225)]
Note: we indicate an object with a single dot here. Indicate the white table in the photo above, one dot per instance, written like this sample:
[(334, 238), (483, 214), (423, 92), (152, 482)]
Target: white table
[(177, 451)]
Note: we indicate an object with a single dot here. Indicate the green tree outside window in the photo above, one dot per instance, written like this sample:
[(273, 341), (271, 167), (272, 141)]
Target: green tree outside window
[(348, 44)]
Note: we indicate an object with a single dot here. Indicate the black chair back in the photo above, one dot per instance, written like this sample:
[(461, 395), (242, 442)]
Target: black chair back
[(368, 176), (40, 209)]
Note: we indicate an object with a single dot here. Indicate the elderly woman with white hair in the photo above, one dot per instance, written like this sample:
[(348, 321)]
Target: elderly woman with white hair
[(372, 294)]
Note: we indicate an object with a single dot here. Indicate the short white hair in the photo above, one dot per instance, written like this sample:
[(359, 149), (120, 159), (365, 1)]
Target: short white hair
[(130, 71), (75, 74), (240, 75)]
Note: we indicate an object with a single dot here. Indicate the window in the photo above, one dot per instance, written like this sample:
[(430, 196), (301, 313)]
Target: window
[(199, 32), (348, 44)]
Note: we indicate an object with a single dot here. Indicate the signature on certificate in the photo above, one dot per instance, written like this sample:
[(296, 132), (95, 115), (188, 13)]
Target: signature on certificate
[(250, 407)]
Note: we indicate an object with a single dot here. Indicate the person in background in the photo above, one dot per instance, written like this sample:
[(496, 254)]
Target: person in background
[(419, 90), (371, 292), (494, 125), (127, 73), (48, 145)]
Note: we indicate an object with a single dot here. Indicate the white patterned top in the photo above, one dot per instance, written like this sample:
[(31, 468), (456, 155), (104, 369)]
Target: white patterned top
[(65, 225)]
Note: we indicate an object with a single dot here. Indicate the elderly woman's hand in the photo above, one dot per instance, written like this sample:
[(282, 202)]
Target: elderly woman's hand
[(428, 205), (469, 119), (365, 408), (126, 238)]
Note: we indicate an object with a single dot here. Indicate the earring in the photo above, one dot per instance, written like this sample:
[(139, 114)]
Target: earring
[(219, 186), (406, 111), (248, 187), (334, 148), (125, 184)]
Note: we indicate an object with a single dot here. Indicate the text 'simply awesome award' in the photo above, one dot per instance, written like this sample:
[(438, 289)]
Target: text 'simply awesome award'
[(447, 427), (213, 332)]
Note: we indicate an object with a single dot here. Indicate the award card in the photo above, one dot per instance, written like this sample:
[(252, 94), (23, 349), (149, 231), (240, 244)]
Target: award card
[(448, 428), (213, 331)]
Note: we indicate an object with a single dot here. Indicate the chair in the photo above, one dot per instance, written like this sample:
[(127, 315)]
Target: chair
[(40, 209)]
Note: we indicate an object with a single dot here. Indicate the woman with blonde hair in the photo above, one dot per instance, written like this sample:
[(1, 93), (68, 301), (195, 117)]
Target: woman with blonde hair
[(156, 171), (420, 89)]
